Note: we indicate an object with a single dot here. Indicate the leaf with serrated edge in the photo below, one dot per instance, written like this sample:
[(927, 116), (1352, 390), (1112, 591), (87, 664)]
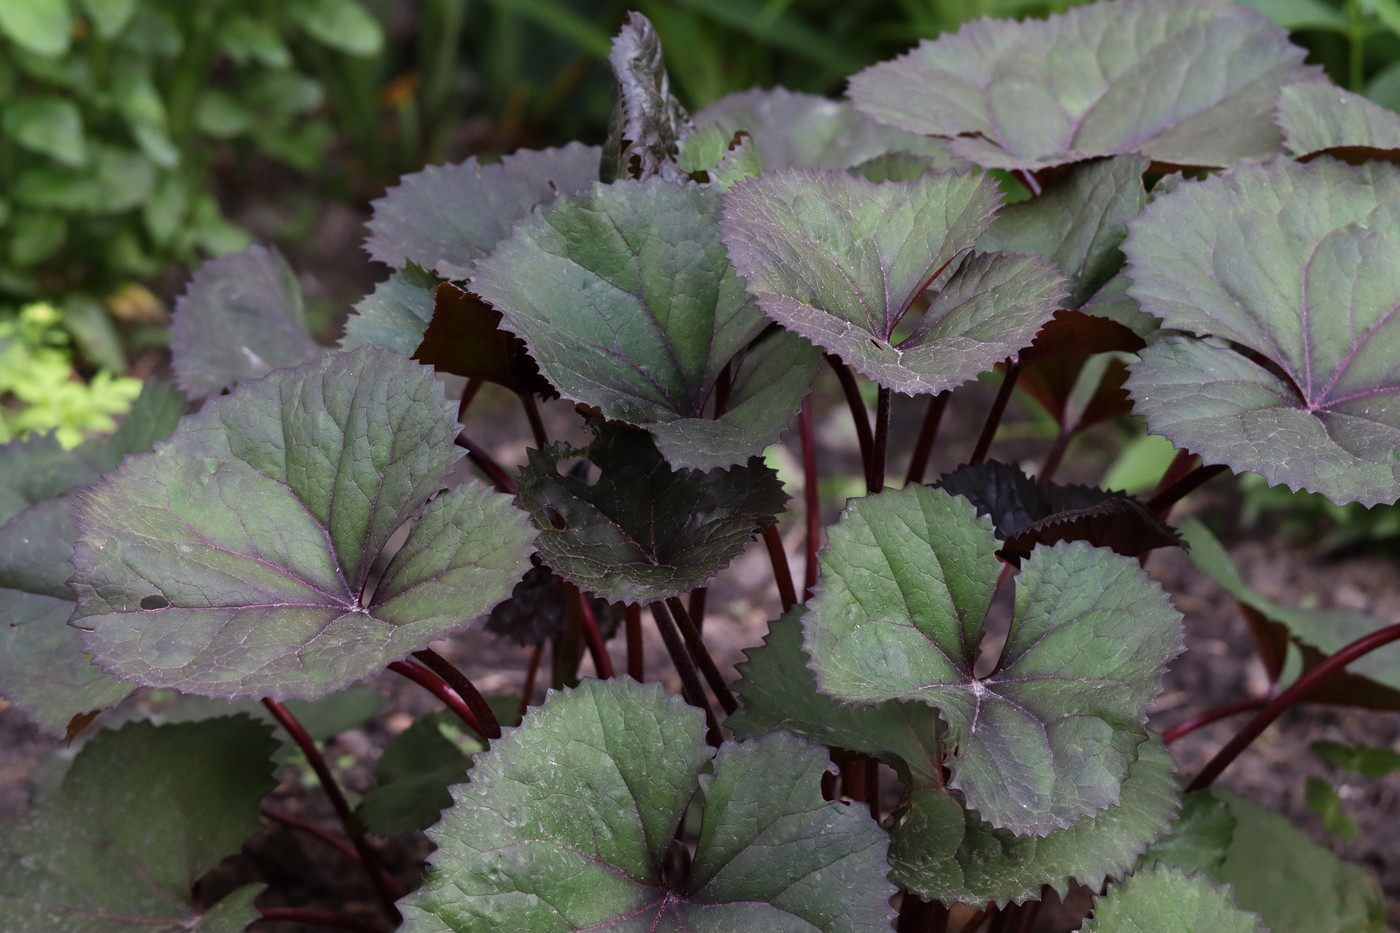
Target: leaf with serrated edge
[(1290, 262), (1318, 116), (841, 260), (627, 302), (142, 814), (1182, 82), (1250, 847), (234, 560), (1047, 738), (1166, 898), (42, 665), (643, 531), (647, 121), (395, 315), (241, 317), (568, 821), (446, 217)]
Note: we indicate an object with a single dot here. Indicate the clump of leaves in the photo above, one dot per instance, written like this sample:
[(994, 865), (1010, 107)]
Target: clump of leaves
[(992, 637)]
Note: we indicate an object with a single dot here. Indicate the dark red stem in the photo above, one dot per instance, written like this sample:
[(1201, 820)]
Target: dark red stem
[(1201, 720), (311, 829), (532, 414), (385, 884), (928, 433), (459, 682), (702, 656), (469, 390), (989, 429), (1162, 501), (532, 670), (858, 413), (882, 441), (1295, 694), (697, 606), (493, 470), (1054, 455), (782, 573), (636, 661), (811, 495), (315, 918), (691, 688), (592, 635), (435, 685)]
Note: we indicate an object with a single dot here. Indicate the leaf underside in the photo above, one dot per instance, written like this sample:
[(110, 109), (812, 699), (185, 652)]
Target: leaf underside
[(235, 559), (1184, 83), (568, 823), (1048, 737), (1288, 267)]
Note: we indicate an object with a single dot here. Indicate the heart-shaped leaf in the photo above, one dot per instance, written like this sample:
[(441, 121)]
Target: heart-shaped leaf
[(628, 303), (841, 261), (42, 665), (792, 130), (647, 121), (1182, 82), (569, 823), (1318, 116), (1167, 898), (1291, 265), (235, 559), (643, 531), (1049, 735), (394, 315), (445, 218), (143, 813), (241, 317), (1236, 841)]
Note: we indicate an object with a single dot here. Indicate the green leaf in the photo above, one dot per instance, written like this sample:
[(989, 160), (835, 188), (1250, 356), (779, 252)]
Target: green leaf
[(792, 130), (725, 159), (345, 25), (1183, 83), (240, 318), (1365, 760), (1047, 738), (1249, 847), (1323, 800), (52, 126), (39, 26), (108, 17), (647, 122), (1300, 14), (445, 218), (117, 180), (1289, 263), (1318, 116), (568, 823), (943, 852), (1166, 898), (143, 813), (1372, 681), (413, 776), (841, 260), (42, 667), (642, 531), (395, 315), (235, 559), (627, 301), (1077, 224)]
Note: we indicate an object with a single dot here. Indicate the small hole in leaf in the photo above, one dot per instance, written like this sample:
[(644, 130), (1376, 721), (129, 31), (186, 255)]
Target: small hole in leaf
[(155, 601), (556, 518)]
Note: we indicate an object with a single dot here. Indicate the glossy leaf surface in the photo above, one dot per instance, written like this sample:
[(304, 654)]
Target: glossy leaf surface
[(841, 261), (1290, 263), (1180, 81), (142, 814), (627, 301), (1047, 738), (568, 824), (234, 560)]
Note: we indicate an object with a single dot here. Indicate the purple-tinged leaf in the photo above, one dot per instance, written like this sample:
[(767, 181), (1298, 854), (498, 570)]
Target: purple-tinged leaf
[(1289, 269), (569, 823), (939, 849), (627, 301), (1318, 117), (445, 218), (842, 261), (792, 130), (1046, 738), (143, 813), (1057, 371), (1182, 82), (643, 531), (240, 318), (235, 560), (647, 122)]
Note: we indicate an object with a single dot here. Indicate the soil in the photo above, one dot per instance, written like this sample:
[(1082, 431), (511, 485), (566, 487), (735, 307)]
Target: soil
[(1218, 668)]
